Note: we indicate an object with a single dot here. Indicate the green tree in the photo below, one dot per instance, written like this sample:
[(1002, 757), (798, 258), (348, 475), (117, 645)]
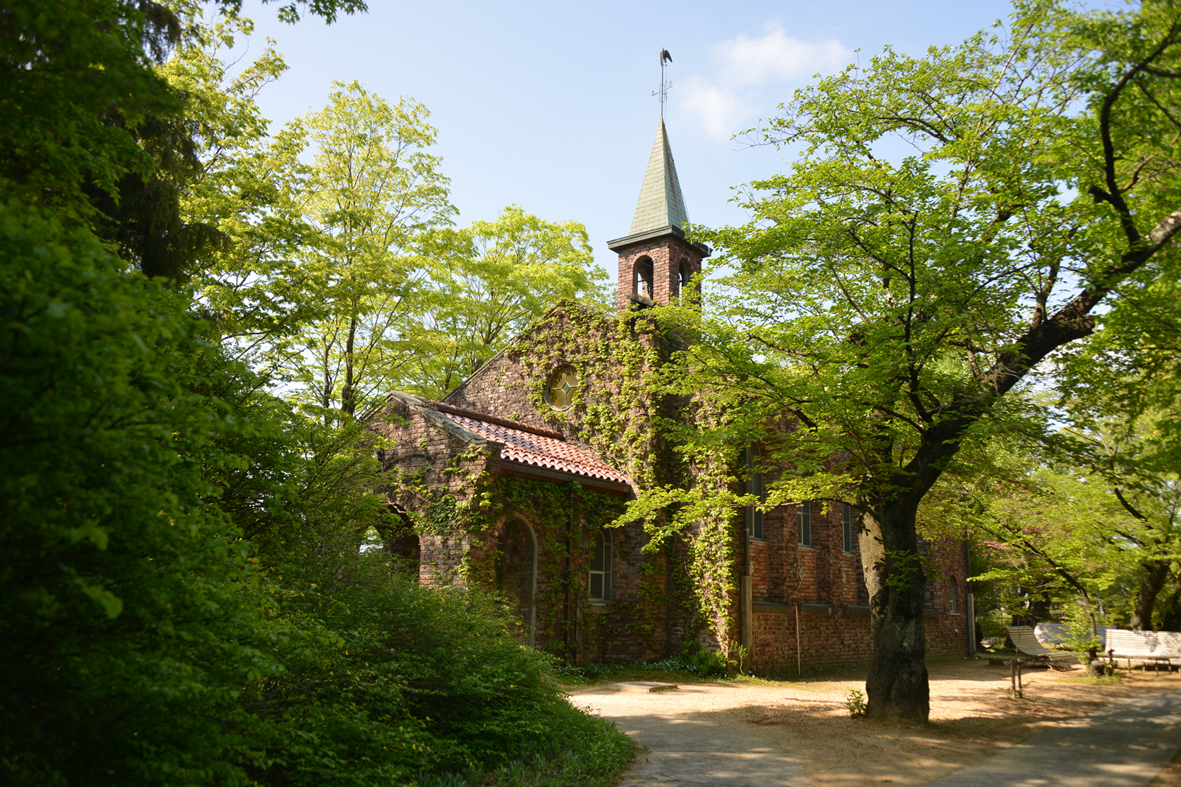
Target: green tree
[(891, 304), (142, 642), (491, 279), (126, 593), (90, 129), (1136, 467), (246, 285), (371, 199), (1061, 534), (1120, 392), (77, 82)]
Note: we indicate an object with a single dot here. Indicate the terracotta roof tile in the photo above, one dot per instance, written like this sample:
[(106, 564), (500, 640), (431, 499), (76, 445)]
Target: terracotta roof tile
[(537, 450)]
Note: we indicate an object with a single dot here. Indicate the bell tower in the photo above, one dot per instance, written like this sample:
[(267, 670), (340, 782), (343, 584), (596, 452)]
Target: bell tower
[(656, 262)]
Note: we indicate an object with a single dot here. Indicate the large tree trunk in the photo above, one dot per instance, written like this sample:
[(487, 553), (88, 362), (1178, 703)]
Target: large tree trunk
[(897, 685), (1155, 574), (1171, 618)]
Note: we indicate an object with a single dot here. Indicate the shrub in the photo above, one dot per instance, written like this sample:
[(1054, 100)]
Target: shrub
[(423, 682)]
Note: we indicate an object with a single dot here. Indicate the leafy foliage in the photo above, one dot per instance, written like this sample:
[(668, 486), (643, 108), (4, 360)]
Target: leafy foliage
[(123, 476), (952, 222), (698, 662), (370, 199), (183, 600), (490, 281), (127, 597)]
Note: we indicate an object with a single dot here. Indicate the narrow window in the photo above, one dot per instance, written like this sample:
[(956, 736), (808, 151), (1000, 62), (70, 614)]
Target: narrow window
[(804, 521), (846, 527), (954, 597), (643, 277), (600, 570), (754, 486)]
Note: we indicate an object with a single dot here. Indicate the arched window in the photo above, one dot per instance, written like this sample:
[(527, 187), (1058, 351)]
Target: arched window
[(804, 523), (516, 574), (686, 274), (847, 517), (953, 597), (754, 486), (643, 277), (599, 581), (401, 544)]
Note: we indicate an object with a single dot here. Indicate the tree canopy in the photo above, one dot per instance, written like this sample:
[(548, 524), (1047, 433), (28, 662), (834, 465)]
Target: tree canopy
[(490, 280), (949, 223), (183, 597)]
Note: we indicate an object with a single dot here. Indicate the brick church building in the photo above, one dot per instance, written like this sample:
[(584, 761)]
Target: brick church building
[(511, 481)]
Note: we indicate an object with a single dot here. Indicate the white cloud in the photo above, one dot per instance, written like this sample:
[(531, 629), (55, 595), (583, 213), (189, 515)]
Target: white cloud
[(751, 75), (777, 56), (720, 111)]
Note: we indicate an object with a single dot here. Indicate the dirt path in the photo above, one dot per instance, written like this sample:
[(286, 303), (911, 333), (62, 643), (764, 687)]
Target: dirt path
[(973, 717)]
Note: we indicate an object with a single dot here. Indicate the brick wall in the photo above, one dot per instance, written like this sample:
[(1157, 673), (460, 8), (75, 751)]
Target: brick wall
[(420, 448), (501, 387), (666, 255), (654, 610), (634, 624), (834, 615)]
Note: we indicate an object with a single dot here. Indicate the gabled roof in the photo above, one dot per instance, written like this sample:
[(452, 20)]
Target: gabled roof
[(564, 304), (529, 450), (526, 446), (661, 203)]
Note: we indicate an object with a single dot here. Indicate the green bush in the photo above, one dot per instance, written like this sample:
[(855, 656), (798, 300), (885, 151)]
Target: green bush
[(694, 659), (128, 616), (424, 682), (145, 641)]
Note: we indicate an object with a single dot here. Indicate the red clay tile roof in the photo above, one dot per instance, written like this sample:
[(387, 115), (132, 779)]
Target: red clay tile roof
[(531, 448)]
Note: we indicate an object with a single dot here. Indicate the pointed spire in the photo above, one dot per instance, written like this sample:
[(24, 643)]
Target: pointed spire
[(661, 203)]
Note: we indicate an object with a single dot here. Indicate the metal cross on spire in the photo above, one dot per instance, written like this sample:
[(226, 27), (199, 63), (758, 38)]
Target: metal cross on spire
[(665, 57)]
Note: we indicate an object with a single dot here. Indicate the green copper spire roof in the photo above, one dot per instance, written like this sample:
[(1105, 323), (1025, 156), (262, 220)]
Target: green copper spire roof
[(661, 203)]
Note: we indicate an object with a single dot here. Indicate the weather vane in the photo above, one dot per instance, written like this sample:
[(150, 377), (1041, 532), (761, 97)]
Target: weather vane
[(665, 57)]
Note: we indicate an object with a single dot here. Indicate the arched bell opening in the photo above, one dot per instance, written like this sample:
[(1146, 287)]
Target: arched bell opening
[(642, 281), (685, 288)]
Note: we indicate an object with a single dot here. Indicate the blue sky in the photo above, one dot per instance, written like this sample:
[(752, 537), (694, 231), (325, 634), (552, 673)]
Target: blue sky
[(549, 105)]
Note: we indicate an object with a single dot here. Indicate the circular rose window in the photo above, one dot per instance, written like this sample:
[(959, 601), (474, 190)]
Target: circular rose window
[(560, 387)]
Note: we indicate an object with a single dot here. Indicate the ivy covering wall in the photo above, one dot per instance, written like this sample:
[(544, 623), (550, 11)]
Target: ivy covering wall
[(687, 553), (621, 413)]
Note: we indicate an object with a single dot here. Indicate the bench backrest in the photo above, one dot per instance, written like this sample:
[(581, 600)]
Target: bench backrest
[(1025, 641), (1129, 643), (1170, 642), (1056, 634), (1163, 643)]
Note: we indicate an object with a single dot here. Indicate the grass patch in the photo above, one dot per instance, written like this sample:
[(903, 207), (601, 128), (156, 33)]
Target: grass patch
[(684, 668), (1102, 680)]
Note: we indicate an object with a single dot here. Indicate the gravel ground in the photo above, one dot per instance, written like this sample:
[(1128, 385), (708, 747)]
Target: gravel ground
[(973, 716)]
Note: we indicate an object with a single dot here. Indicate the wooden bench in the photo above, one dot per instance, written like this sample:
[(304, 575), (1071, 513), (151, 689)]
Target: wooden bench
[(1026, 642), (1144, 647), (1169, 644)]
